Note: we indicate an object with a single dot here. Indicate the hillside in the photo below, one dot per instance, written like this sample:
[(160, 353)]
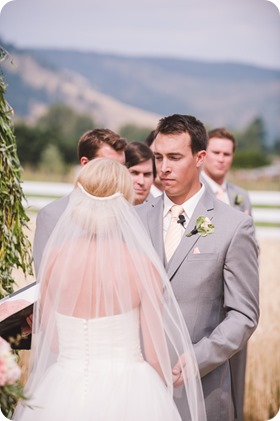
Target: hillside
[(31, 87), (128, 89)]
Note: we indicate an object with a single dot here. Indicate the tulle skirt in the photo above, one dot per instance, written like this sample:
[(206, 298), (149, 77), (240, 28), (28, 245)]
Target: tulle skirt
[(134, 392)]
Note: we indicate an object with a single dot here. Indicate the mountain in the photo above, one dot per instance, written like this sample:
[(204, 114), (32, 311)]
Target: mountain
[(121, 90), (32, 87)]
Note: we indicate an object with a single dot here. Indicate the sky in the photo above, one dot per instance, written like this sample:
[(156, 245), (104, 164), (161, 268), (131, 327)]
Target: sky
[(245, 31)]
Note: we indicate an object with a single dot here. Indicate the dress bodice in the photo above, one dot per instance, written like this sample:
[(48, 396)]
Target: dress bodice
[(99, 374), (115, 338)]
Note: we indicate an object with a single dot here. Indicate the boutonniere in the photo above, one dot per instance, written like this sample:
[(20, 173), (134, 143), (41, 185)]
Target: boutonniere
[(202, 227), (238, 200)]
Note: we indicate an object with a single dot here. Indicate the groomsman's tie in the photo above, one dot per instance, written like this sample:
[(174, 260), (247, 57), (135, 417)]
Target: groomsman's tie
[(221, 195), (174, 232)]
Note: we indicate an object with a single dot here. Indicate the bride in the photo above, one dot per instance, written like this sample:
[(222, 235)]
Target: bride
[(106, 328)]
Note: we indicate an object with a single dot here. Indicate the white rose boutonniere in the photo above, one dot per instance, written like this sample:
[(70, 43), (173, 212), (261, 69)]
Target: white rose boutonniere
[(203, 227)]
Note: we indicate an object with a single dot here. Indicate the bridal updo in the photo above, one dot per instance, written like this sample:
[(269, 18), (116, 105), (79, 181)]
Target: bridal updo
[(103, 188), (103, 177)]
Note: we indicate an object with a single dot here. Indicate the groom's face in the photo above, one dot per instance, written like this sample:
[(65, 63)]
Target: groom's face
[(176, 166)]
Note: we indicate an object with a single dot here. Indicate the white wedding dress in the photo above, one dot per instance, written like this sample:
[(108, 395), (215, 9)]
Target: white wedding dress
[(100, 375)]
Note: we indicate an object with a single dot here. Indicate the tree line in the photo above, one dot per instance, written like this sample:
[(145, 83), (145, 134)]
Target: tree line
[(51, 143)]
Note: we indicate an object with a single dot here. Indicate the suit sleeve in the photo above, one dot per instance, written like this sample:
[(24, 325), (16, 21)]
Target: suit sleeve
[(248, 204), (42, 233), (241, 301)]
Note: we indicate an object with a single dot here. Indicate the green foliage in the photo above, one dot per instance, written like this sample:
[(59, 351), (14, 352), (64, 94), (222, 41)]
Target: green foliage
[(253, 137), (250, 159), (9, 396), (15, 248), (251, 151), (31, 142), (52, 161), (61, 127), (64, 127), (276, 147), (133, 133), (11, 390)]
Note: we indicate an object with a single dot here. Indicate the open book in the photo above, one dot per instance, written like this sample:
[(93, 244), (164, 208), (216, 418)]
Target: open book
[(15, 308)]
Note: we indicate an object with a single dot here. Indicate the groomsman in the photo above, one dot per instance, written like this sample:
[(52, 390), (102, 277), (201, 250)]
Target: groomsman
[(140, 161), (220, 150), (97, 143), (210, 254), (217, 163)]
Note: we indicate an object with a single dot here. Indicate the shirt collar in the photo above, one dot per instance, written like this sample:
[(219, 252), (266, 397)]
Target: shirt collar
[(212, 184), (188, 206)]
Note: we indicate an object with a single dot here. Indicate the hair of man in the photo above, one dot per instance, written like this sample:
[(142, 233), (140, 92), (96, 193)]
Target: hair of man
[(91, 141), (150, 138), (178, 123), (137, 152), (222, 133)]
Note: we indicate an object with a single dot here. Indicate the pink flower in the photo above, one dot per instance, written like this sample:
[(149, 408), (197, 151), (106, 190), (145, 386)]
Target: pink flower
[(9, 369)]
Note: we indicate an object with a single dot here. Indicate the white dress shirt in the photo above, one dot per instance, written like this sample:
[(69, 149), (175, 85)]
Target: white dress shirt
[(188, 206), (215, 187)]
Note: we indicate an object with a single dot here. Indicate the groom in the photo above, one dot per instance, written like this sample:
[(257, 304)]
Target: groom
[(214, 268)]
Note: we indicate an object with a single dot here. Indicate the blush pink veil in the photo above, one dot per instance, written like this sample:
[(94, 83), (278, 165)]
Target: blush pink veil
[(99, 262)]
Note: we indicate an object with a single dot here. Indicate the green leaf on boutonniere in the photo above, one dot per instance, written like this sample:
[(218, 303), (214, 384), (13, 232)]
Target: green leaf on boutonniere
[(238, 200), (203, 227)]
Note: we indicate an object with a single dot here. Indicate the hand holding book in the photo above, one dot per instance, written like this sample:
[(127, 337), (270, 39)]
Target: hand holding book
[(16, 314)]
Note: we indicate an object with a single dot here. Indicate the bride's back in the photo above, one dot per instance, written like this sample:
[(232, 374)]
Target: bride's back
[(88, 288)]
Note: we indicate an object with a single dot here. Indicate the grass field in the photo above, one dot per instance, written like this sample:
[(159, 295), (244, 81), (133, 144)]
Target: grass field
[(262, 398)]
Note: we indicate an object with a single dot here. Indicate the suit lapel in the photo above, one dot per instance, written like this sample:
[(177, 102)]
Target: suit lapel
[(231, 194), (205, 207), (155, 226)]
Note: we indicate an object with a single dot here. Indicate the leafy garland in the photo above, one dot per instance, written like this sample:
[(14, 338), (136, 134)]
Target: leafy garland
[(15, 247)]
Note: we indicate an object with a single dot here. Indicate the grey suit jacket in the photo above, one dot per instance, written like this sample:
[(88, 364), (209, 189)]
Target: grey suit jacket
[(215, 281), (45, 223), (238, 197), (240, 200)]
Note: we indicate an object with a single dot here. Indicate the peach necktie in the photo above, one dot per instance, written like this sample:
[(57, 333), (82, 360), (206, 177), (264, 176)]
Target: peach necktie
[(174, 232), (220, 194)]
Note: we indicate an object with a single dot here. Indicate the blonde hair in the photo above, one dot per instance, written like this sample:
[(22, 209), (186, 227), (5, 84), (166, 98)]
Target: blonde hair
[(104, 177)]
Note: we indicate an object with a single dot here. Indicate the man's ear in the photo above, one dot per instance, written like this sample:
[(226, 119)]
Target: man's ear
[(200, 158), (84, 160)]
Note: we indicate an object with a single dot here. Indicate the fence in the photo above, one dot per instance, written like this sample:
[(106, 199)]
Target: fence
[(266, 204)]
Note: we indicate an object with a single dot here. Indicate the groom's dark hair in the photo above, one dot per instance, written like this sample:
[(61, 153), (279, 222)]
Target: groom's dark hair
[(180, 123)]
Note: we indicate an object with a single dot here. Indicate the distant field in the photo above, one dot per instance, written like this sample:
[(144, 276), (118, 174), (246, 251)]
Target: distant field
[(262, 399)]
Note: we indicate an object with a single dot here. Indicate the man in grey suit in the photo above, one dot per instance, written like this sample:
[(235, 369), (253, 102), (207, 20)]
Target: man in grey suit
[(214, 269), (220, 150), (97, 143)]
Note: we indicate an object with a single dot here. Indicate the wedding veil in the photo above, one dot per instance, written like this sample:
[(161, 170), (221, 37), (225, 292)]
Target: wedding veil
[(100, 262)]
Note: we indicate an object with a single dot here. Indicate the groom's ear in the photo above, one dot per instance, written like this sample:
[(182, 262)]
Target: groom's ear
[(200, 158)]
